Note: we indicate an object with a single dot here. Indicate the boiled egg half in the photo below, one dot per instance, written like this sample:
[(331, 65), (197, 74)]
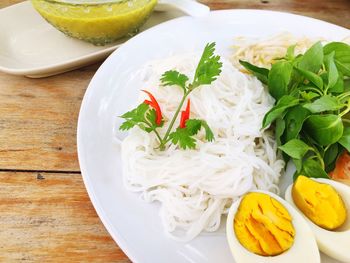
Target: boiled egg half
[(325, 205), (262, 227)]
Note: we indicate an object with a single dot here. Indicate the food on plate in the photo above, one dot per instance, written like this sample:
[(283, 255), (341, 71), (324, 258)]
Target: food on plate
[(148, 115), (319, 202), (331, 241), (310, 115), (98, 22), (264, 52), (311, 123), (217, 152), (262, 227)]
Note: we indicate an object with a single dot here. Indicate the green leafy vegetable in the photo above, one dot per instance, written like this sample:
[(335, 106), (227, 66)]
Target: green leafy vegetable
[(324, 129), (311, 115), (312, 59), (279, 77), (283, 104), (341, 56), (261, 73), (294, 119), (312, 168), (295, 148), (312, 77), (209, 67), (135, 117), (183, 136), (333, 74), (345, 139), (173, 77), (325, 103)]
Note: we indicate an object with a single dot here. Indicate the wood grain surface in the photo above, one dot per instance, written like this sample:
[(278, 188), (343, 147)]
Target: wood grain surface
[(45, 212), (48, 217)]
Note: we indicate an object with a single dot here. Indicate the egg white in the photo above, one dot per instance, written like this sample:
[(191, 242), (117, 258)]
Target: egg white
[(304, 248), (335, 244)]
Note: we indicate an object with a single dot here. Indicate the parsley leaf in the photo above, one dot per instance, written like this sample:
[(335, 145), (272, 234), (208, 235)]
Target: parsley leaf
[(193, 126), (127, 125), (209, 136), (209, 67), (134, 117), (183, 136), (173, 77)]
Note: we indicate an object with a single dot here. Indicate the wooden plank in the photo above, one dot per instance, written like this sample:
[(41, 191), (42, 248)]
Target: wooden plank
[(39, 119), (334, 11), (49, 218), (4, 3)]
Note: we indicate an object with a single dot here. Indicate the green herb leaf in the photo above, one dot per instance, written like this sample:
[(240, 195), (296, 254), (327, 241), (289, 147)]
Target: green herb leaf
[(279, 130), (209, 67), (151, 117), (312, 168), (324, 103), (193, 126), (332, 71), (345, 139), (341, 55), (343, 67), (209, 136), (312, 77), (134, 117), (284, 103), (330, 154), (127, 125), (308, 95), (341, 50), (290, 52), (279, 78), (294, 119), (312, 59), (261, 73), (173, 77), (182, 137), (298, 165), (295, 148), (324, 129)]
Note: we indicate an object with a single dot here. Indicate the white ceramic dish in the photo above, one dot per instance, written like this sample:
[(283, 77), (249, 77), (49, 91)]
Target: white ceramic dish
[(133, 224), (32, 47)]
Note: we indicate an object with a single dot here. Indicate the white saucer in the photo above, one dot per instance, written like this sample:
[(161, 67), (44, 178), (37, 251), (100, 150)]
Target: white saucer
[(32, 47)]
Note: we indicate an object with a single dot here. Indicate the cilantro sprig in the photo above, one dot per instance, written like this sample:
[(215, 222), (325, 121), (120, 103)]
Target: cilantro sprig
[(146, 115)]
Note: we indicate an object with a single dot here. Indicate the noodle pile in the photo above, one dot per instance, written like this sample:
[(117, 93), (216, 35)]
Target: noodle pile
[(195, 187), (263, 52)]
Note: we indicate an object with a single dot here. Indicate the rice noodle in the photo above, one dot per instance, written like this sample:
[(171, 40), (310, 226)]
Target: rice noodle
[(195, 187), (262, 52)]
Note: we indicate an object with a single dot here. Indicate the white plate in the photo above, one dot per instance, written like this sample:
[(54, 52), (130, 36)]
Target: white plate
[(133, 224), (32, 47)]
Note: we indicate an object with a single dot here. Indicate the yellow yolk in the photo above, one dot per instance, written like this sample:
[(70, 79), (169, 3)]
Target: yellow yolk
[(319, 202), (263, 225)]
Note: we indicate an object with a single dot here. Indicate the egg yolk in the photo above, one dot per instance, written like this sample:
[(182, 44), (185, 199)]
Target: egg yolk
[(263, 226), (319, 202)]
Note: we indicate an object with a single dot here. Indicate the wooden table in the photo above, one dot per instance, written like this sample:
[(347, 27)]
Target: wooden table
[(45, 213)]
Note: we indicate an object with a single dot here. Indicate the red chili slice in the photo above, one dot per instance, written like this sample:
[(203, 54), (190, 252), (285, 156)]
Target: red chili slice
[(185, 115), (154, 104)]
